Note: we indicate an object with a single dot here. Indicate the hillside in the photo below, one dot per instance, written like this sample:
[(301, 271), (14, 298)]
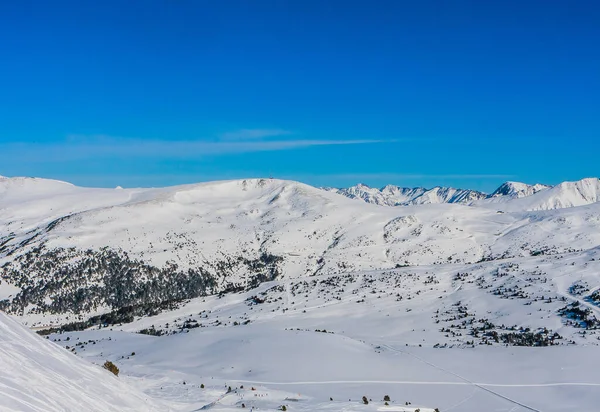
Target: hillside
[(64, 249), (38, 375)]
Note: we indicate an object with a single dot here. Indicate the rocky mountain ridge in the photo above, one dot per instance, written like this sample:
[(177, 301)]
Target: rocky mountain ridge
[(566, 194)]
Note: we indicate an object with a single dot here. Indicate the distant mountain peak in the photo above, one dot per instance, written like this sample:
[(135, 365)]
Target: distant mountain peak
[(391, 195), (518, 189)]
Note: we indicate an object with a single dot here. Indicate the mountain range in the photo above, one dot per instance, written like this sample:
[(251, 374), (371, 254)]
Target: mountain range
[(566, 194)]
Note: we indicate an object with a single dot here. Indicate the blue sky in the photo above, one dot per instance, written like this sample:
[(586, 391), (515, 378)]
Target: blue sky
[(152, 93)]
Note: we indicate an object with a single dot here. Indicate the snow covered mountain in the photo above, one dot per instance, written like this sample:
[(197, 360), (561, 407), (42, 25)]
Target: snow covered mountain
[(392, 195), (40, 376), (516, 190), (565, 195), (539, 197)]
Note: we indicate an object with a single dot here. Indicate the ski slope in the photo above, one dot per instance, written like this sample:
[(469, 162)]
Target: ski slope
[(38, 376)]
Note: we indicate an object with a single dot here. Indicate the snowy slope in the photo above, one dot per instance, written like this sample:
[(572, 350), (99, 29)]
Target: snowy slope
[(40, 376), (305, 369), (429, 304), (27, 202), (303, 342)]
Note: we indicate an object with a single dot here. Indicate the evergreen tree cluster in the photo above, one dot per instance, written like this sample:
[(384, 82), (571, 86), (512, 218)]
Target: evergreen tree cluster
[(78, 281)]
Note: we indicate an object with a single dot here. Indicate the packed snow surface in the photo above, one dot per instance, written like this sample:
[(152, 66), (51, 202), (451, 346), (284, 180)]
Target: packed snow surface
[(303, 355)]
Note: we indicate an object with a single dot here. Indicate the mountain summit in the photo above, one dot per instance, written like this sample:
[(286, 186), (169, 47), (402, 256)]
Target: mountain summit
[(518, 189)]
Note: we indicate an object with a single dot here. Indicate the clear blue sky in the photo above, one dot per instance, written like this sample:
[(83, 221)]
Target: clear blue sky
[(150, 93)]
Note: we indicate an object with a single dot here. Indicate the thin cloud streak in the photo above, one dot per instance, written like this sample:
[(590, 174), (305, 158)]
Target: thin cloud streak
[(82, 147), (247, 134)]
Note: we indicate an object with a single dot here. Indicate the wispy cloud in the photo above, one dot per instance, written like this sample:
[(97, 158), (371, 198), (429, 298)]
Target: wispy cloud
[(79, 147), (245, 134)]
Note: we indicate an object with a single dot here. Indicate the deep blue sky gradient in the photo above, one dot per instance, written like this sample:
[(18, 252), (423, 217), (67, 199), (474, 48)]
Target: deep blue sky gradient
[(461, 93)]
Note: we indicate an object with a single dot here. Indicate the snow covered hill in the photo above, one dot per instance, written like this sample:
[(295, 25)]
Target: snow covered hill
[(64, 249), (38, 375)]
